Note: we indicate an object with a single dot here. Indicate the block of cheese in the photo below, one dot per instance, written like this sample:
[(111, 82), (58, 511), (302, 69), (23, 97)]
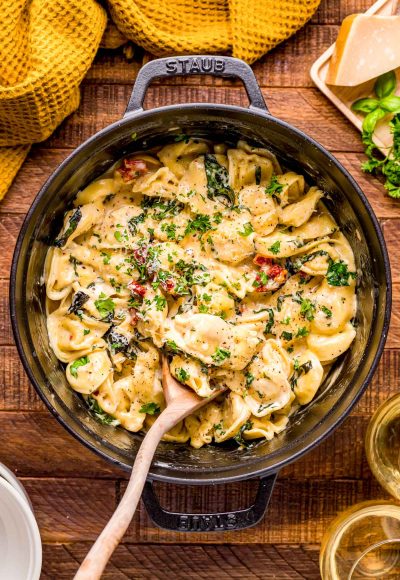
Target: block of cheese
[(367, 46)]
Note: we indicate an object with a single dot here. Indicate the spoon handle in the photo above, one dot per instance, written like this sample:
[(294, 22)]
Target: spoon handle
[(101, 551)]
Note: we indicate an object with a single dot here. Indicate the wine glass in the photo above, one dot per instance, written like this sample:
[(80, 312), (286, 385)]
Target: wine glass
[(363, 542), (382, 445)]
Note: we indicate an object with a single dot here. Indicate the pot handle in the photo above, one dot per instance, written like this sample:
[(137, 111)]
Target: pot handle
[(217, 66), (211, 522)]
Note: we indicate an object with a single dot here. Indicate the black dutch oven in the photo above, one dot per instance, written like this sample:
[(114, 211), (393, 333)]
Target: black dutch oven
[(139, 129)]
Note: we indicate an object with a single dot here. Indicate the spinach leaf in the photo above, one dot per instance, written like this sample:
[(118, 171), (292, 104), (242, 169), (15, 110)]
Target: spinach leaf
[(99, 414), (298, 371), (78, 301), (117, 342), (239, 437), (217, 180), (72, 225)]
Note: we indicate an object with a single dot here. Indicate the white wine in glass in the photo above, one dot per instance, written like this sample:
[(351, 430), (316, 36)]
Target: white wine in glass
[(363, 542), (382, 445)]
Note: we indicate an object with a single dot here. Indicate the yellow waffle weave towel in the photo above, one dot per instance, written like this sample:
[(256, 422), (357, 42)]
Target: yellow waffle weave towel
[(47, 46)]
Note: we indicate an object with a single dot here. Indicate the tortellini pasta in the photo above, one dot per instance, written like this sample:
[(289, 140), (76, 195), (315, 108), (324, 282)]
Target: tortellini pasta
[(214, 256)]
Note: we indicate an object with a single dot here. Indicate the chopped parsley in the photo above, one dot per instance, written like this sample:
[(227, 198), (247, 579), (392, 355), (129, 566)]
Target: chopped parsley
[(79, 362), (171, 345), (150, 408), (160, 302), (275, 248), (162, 208), (170, 230), (307, 309), (338, 273), (274, 189), (220, 355), (302, 332), (326, 311), (182, 375), (200, 224), (106, 258), (247, 230), (105, 306)]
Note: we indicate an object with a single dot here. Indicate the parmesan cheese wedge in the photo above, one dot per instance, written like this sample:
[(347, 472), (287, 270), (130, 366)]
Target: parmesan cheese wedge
[(367, 46)]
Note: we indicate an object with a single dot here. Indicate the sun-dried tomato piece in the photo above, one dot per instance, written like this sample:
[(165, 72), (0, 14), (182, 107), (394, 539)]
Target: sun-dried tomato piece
[(137, 288), (134, 316), (130, 169), (168, 285), (276, 271), (140, 255), (261, 260)]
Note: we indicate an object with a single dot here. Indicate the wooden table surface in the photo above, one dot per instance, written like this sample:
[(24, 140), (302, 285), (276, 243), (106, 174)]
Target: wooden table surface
[(72, 490)]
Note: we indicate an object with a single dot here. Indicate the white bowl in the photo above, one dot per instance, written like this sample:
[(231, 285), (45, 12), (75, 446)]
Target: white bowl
[(9, 476), (20, 544)]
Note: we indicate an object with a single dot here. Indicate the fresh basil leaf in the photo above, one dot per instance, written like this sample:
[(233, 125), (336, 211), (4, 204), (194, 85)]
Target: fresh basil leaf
[(385, 84), (371, 120), (390, 103), (365, 105)]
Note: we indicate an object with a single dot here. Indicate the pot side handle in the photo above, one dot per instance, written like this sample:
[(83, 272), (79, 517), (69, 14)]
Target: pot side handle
[(217, 66), (210, 522)]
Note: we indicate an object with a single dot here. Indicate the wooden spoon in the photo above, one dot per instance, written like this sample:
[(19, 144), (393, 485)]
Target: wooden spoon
[(181, 402)]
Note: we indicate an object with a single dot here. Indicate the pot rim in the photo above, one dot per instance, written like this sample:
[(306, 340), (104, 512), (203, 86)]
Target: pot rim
[(249, 469)]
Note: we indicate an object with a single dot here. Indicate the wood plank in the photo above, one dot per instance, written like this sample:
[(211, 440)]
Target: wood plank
[(306, 108), (287, 65), (333, 11), (391, 230), (73, 510), (38, 166), (36, 445), (161, 562), (69, 510)]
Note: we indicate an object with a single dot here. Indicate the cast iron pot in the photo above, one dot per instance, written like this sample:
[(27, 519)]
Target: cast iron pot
[(140, 129)]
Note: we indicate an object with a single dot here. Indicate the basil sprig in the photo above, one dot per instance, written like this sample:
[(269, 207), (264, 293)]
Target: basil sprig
[(375, 109)]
